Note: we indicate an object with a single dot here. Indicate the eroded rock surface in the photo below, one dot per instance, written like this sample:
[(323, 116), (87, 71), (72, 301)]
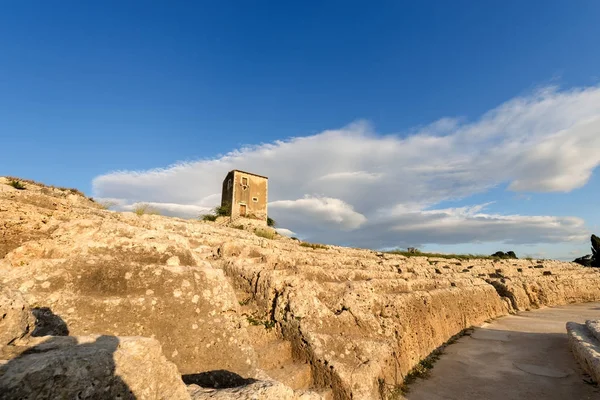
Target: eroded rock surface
[(355, 321), (585, 344), (100, 367), (16, 320)]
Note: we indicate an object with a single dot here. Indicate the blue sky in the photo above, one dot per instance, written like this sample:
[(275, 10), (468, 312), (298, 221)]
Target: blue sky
[(89, 88)]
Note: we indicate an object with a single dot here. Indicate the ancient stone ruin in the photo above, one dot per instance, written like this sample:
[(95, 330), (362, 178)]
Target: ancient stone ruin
[(96, 302), (585, 344), (245, 195)]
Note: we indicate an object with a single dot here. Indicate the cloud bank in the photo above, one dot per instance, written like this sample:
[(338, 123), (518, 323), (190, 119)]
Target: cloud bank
[(356, 187)]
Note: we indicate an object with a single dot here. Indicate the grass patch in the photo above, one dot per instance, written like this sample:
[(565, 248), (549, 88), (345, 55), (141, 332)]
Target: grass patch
[(420, 371), (314, 246), (144, 208), (245, 302), (16, 184), (446, 256), (264, 233), (257, 322)]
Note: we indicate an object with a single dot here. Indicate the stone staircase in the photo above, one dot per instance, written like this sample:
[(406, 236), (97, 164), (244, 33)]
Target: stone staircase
[(223, 221), (584, 340)]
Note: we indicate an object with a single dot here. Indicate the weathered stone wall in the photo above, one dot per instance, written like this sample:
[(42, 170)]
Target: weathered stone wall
[(254, 196), (361, 317)]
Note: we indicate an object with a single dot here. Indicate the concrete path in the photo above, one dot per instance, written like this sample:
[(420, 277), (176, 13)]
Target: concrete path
[(523, 356)]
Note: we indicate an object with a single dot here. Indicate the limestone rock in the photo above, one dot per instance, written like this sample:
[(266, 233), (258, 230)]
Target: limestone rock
[(254, 390), (100, 367), (16, 320), (585, 347), (351, 319), (108, 277), (593, 327)]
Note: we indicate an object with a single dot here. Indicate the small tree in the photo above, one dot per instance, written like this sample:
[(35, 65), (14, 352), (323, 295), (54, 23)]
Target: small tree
[(503, 255), (222, 211)]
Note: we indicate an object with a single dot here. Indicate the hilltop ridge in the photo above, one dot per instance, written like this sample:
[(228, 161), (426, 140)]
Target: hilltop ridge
[(311, 322)]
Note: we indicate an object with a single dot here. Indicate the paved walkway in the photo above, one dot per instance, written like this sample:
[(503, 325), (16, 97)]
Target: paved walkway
[(523, 356)]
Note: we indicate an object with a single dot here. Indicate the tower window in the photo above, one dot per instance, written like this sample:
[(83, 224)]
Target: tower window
[(255, 199)]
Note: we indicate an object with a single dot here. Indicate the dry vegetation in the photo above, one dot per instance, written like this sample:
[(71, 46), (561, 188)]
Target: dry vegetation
[(314, 245), (72, 190), (107, 204), (266, 233), (144, 208)]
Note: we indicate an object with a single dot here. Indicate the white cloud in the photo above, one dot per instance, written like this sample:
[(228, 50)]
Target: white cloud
[(350, 177), (353, 186), (285, 232), (458, 225), (333, 211)]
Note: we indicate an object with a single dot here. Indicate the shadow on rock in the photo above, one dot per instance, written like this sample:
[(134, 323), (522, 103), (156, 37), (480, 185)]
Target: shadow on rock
[(217, 379), (65, 368), (47, 323)]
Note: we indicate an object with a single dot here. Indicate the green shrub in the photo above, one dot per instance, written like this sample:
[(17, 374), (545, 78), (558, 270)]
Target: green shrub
[(208, 217), (222, 211), (503, 255), (270, 222), (16, 184)]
